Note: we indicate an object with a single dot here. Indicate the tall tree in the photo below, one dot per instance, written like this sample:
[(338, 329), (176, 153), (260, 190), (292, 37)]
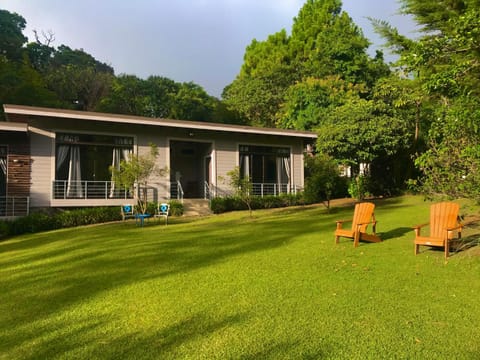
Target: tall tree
[(158, 97), (21, 84), (65, 56), (361, 131), (260, 87), (191, 102), (11, 35), (308, 102), (324, 42), (76, 76), (125, 96), (77, 86), (445, 60)]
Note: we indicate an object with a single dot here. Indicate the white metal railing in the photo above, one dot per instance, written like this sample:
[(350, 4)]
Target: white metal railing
[(14, 206), (207, 191), (64, 189), (259, 189), (262, 189), (176, 190)]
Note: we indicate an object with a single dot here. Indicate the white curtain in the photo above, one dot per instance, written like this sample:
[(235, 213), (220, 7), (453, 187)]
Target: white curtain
[(74, 185), (119, 154), (127, 153), (286, 163), (283, 172), (62, 154), (116, 158), (245, 165)]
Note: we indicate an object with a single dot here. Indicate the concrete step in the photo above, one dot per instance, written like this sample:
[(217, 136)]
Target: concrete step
[(196, 207)]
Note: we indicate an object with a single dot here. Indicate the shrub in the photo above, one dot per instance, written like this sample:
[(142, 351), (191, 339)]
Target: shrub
[(322, 179), (220, 205), (176, 208), (43, 221), (358, 187)]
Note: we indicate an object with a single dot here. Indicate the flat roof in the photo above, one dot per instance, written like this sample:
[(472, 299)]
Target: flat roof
[(141, 120)]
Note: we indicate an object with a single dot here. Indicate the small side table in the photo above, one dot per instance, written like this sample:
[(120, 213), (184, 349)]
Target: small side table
[(140, 218)]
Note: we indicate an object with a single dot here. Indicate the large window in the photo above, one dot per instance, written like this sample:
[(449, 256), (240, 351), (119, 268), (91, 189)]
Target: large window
[(266, 165), (84, 159)]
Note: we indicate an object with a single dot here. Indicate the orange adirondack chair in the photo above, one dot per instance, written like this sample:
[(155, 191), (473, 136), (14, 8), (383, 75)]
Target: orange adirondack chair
[(443, 223), (362, 217)]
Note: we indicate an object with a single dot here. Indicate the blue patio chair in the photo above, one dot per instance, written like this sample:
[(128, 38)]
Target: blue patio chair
[(128, 211), (163, 210)]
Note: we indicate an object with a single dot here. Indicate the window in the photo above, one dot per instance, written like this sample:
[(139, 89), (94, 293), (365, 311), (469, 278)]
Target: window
[(266, 165), (82, 158)]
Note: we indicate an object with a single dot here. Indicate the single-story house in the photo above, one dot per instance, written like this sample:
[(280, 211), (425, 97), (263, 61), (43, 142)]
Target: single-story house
[(61, 158)]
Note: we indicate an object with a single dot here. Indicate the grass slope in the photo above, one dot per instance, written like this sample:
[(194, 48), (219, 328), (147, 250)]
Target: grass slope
[(274, 286)]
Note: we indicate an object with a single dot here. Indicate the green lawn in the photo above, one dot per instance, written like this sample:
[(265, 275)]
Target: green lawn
[(274, 286)]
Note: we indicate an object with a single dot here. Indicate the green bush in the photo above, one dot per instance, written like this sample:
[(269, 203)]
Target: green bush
[(176, 208), (322, 179), (220, 205), (358, 187), (42, 221)]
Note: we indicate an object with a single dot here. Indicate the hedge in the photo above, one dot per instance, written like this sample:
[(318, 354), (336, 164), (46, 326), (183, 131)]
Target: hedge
[(43, 221), (231, 203)]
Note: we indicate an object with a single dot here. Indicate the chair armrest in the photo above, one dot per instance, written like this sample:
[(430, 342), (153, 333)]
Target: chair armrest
[(368, 222), (417, 228), (459, 226), (373, 222), (340, 223)]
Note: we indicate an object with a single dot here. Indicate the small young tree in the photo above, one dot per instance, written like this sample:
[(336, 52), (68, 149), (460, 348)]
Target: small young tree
[(242, 187), (136, 171), (322, 179)]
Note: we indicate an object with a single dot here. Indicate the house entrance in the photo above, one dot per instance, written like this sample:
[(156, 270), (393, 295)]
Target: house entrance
[(190, 165)]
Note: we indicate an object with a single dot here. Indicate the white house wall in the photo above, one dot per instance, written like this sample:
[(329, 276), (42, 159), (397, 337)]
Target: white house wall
[(42, 145), (226, 160), (297, 165)]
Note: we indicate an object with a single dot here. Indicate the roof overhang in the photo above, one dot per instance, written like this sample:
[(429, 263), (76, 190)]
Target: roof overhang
[(13, 126), (139, 120)]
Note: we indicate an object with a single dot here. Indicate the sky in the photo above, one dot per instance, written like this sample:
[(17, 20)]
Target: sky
[(202, 41)]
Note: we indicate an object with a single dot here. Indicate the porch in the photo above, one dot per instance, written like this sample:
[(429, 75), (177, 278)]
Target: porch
[(106, 190)]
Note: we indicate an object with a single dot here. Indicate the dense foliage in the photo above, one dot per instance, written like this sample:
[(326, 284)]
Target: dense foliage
[(36, 73), (323, 180), (444, 64), (276, 84), (321, 78)]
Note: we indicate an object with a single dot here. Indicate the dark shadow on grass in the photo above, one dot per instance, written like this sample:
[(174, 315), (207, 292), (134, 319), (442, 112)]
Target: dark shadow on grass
[(395, 233), (165, 342), (466, 243), (280, 351)]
